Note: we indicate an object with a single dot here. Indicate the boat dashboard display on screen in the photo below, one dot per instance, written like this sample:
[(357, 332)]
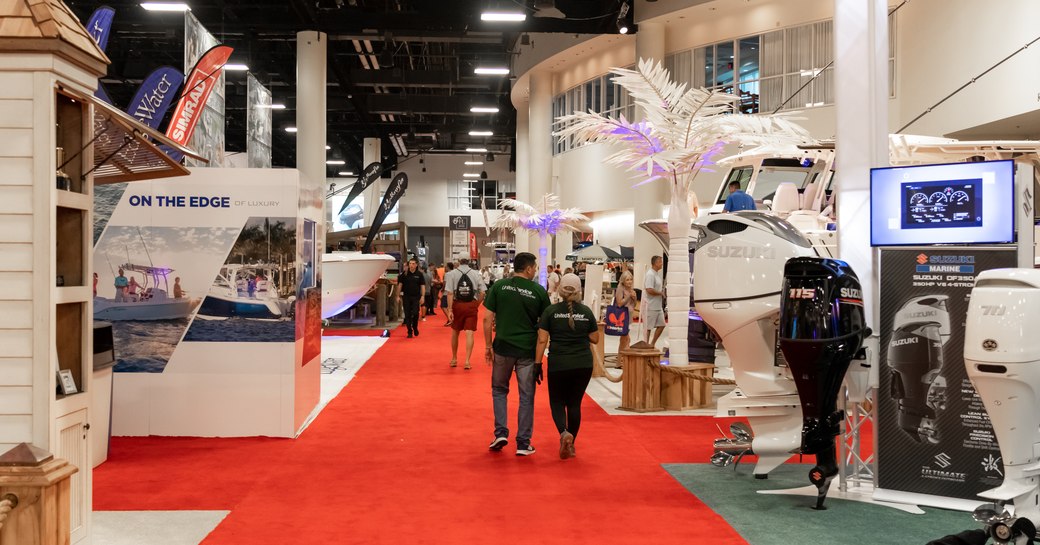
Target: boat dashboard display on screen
[(958, 203)]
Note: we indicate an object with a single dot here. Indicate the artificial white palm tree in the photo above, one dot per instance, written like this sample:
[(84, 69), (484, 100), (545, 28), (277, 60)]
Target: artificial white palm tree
[(681, 133), (547, 219)]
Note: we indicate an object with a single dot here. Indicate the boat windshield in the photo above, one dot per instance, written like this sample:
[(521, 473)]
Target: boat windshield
[(770, 178), (738, 174)]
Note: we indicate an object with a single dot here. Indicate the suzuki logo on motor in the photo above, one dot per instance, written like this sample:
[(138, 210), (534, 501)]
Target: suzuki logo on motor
[(989, 345), (943, 460), (920, 314), (748, 252), (993, 310), (851, 293), (801, 293), (901, 342)]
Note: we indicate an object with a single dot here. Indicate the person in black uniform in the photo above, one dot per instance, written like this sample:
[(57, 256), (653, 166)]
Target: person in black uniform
[(412, 285)]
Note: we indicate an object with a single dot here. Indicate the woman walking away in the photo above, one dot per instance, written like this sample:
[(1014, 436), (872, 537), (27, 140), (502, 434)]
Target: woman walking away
[(572, 328)]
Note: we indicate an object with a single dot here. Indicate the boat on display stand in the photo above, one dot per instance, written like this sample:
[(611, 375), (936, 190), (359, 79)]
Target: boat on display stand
[(346, 277), (151, 303), (246, 291)]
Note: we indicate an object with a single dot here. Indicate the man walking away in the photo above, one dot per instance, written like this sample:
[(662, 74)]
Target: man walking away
[(412, 288), (552, 279), (653, 292), (737, 199), (514, 306), (465, 291)]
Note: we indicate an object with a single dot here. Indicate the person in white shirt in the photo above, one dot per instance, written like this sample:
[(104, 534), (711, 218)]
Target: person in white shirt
[(653, 294), (464, 299), (552, 278)]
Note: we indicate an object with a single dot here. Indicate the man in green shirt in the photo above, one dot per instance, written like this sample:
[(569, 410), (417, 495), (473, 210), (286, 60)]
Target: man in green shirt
[(514, 306)]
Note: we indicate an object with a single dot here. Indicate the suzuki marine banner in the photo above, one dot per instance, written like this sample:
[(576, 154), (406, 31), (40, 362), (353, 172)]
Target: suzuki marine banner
[(155, 95), (933, 434), (199, 85), (393, 194)]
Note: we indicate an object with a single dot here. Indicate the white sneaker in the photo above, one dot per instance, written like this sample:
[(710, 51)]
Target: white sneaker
[(525, 451)]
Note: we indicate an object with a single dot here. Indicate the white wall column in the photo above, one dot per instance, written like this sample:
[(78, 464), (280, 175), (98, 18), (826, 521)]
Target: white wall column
[(310, 105), (861, 104), (650, 199), (540, 145), (372, 154), (523, 167)]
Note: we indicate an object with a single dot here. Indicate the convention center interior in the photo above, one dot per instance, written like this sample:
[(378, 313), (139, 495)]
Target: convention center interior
[(738, 272)]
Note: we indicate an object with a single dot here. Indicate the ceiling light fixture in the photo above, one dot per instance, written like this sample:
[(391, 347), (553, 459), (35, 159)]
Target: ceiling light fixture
[(474, 163), (476, 150), (622, 24), (481, 133), (328, 148), (503, 16), (291, 129), (490, 157), (236, 67), (491, 71), (346, 173), (484, 110), (165, 6), (471, 175), (271, 106), (335, 162)]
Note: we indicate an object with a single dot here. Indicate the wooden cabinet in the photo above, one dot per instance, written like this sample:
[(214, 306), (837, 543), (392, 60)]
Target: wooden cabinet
[(73, 430)]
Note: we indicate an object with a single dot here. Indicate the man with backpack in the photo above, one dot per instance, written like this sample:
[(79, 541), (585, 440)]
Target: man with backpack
[(465, 290)]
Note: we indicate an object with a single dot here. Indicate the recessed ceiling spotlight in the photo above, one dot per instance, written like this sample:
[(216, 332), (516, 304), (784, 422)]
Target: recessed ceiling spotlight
[(165, 6), (484, 110), (481, 133), (491, 71), (328, 148), (503, 16)]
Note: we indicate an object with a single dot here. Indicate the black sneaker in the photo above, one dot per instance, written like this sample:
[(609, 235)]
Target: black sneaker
[(409, 335), (525, 451), (498, 444)]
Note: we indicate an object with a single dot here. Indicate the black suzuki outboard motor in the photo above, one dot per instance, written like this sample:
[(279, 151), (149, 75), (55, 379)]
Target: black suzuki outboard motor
[(822, 327), (919, 330)]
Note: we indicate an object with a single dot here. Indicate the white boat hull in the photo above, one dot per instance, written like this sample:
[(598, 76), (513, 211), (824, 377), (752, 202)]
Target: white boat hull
[(168, 309), (346, 277)]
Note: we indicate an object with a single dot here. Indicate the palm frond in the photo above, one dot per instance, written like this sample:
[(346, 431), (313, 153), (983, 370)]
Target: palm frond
[(547, 220)]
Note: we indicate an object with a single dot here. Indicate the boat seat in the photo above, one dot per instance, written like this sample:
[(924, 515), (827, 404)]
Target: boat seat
[(809, 196), (785, 199)]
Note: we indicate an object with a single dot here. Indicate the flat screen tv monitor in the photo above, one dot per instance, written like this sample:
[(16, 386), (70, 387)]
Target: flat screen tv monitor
[(957, 203)]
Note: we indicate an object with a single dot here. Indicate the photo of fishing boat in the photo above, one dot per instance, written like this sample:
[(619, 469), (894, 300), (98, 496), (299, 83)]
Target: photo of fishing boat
[(252, 297), (152, 290)]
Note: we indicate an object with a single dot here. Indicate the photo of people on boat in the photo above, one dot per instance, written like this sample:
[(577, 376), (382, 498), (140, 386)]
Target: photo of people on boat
[(147, 282), (252, 298)]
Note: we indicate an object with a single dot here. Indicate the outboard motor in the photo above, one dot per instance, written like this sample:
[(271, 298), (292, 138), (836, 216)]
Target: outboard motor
[(822, 327), (738, 266), (1002, 358), (919, 331)]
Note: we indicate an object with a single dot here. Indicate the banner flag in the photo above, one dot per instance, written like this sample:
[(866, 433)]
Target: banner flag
[(196, 91), (155, 96), (99, 26), (365, 179), (102, 94), (393, 194)]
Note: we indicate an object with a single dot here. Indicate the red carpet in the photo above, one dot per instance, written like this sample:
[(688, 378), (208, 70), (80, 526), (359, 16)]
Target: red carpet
[(401, 457)]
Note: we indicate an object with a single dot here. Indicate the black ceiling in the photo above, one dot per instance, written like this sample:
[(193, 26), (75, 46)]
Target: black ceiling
[(426, 51)]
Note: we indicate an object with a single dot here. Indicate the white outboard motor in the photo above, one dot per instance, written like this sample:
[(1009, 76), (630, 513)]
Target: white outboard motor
[(1002, 358), (739, 271)]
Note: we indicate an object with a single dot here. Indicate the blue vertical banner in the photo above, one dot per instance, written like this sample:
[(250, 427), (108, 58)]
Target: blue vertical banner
[(155, 96), (99, 26)]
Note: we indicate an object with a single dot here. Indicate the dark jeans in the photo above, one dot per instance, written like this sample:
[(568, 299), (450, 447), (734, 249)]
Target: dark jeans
[(566, 389), (431, 300), (411, 312)]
